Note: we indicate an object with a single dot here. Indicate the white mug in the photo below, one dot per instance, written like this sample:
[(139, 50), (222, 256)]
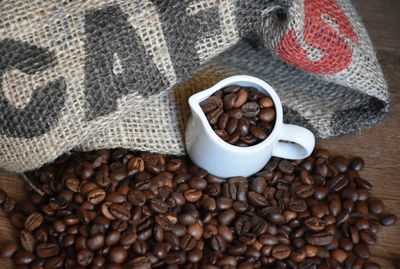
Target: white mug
[(222, 159)]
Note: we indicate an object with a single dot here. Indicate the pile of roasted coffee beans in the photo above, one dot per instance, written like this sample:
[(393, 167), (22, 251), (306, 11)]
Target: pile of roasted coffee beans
[(118, 209), (240, 116)]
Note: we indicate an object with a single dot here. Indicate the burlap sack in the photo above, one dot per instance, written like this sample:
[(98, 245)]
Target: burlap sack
[(96, 74)]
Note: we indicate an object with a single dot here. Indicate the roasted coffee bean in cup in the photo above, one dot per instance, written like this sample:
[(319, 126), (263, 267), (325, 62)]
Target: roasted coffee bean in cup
[(122, 209), (241, 116)]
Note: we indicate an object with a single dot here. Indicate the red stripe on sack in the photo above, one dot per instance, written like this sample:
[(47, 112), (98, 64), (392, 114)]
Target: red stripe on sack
[(319, 34)]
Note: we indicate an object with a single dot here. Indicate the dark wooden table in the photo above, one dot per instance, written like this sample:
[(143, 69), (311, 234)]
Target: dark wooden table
[(379, 146)]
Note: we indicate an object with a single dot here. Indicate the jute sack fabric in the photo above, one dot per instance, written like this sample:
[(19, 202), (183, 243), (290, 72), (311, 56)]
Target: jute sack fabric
[(95, 74)]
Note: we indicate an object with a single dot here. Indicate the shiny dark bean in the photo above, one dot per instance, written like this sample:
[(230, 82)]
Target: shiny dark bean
[(256, 199), (388, 220), (46, 250), (319, 239)]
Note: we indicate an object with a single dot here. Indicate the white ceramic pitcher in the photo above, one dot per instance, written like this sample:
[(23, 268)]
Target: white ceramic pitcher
[(219, 158)]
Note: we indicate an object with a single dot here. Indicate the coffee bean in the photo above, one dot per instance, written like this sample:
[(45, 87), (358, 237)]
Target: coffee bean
[(248, 139), (353, 262), (242, 127), (235, 113), (229, 100), (362, 183), (33, 221), (28, 242), (232, 125), (320, 193), (84, 257), (341, 163), (159, 206), (160, 250), (210, 104), (164, 222), (305, 191), (256, 199), (195, 230), (23, 257), (210, 231), (342, 217), (281, 252), (250, 109), (218, 243), (297, 205), (258, 132), (136, 197), (195, 255), (388, 220), (73, 184), (265, 102), (258, 185), (286, 166), (346, 244), (376, 207), (368, 237), (315, 224), (339, 255), (319, 239), (175, 258), (276, 218), (8, 250), (46, 250), (267, 114), (95, 242), (362, 251), (223, 121), (225, 233), (260, 227), (96, 196), (59, 226), (354, 235), (338, 183), (253, 93), (118, 254), (140, 262), (192, 195), (240, 206), (310, 251), (357, 164), (139, 247), (17, 220), (226, 217), (55, 262), (187, 242), (119, 212), (270, 240), (232, 89), (112, 238), (247, 238), (241, 98), (198, 183)]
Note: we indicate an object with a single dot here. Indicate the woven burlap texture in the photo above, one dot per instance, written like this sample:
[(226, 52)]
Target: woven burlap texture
[(148, 109)]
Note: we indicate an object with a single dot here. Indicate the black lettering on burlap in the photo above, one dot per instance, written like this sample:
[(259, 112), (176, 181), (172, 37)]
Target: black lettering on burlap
[(110, 36), (44, 107), (182, 31)]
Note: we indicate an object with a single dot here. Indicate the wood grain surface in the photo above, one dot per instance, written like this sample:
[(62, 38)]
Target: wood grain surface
[(379, 146)]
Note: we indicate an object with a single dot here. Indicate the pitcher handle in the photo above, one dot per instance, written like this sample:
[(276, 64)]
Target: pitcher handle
[(294, 142)]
